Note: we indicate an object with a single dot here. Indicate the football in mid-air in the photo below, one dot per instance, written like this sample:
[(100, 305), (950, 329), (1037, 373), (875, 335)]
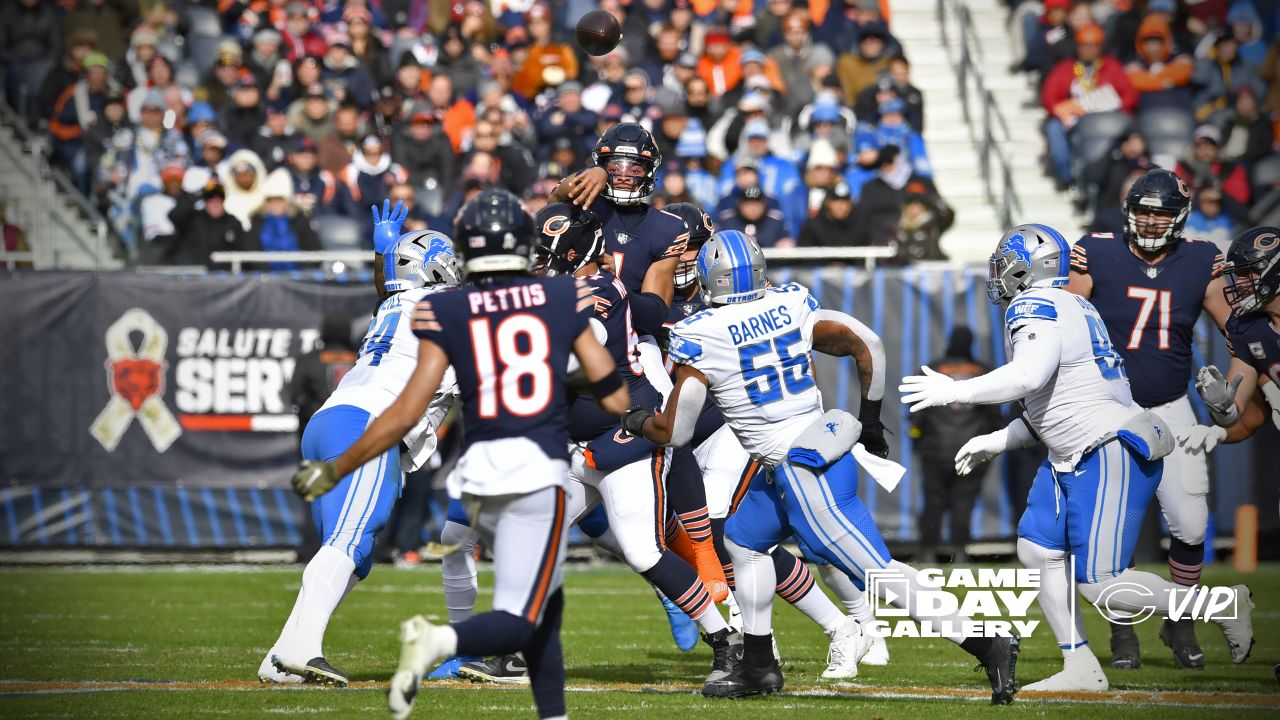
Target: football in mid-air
[(599, 32)]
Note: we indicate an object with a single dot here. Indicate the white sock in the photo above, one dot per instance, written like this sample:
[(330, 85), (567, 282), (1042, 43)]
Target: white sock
[(818, 607), (325, 581), (458, 571), (1055, 595), (854, 600), (710, 619), (755, 583)]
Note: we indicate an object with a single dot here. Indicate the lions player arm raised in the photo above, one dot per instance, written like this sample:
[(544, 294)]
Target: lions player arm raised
[(1037, 349), (400, 417)]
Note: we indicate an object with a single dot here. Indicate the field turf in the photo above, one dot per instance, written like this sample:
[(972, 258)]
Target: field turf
[(185, 643)]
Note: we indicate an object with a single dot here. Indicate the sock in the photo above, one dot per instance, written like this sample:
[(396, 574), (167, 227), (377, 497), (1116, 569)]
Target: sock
[(756, 585), (325, 581), (1185, 561), (458, 571), (492, 633), (701, 555), (697, 524), (796, 586), (678, 540), (757, 650), (1055, 597), (545, 657), (854, 600), (681, 584)]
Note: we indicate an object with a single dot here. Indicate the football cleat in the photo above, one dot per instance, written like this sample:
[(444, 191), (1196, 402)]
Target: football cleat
[(1001, 665), (724, 655), (849, 644), (1239, 630), (503, 669), (317, 671), (448, 669), (746, 680), (420, 647), (1083, 673), (1180, 637), (1125, 651), (683, 629), (268, 673), (878, 654)]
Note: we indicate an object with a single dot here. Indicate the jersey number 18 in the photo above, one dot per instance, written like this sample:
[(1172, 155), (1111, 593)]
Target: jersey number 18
[(519, 379)]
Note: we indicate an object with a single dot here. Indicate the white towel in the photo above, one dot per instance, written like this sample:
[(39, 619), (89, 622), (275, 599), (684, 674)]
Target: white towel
[(886, 473)]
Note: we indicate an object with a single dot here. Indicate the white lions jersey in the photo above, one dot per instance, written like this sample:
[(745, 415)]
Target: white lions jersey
[(386, 360), (755, 355), (1088, 397)]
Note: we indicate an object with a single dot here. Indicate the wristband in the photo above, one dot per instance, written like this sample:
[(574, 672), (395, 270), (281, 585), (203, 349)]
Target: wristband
[(869, 410), (605, 386)]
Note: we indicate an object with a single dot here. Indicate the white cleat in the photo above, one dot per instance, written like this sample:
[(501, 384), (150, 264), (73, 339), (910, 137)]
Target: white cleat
[(849, 644), (268, 673), (878, 654), (1239, 631), (1082, 674), (421, 647)]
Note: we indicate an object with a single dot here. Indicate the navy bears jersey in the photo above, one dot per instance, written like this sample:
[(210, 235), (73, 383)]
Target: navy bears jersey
[(509, 343), (638, 236), (1251, 338), (1149, 310)]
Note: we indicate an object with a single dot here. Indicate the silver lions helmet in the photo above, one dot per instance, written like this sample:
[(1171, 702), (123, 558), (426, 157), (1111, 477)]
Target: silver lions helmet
[(421, 259), (1028, 256), (731, 269)]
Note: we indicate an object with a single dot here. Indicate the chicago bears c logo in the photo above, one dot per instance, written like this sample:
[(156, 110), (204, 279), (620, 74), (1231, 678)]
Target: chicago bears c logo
[(555, 226), (1266, 241)]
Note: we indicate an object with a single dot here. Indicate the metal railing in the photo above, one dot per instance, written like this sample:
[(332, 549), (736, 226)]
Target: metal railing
[(991, 133), (236, 260)]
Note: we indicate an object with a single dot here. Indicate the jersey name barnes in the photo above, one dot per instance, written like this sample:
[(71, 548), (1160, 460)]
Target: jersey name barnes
[(772, 320)]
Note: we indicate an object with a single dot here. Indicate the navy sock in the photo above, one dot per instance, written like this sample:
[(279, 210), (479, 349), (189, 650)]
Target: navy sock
[(493, 633), (680, 583), (757, 650), (1185, 561), (546, 660)]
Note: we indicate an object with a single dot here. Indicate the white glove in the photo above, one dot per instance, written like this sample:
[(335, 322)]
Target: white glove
[(1199, 438), (979, 450), (928, 390), (1218, 394)]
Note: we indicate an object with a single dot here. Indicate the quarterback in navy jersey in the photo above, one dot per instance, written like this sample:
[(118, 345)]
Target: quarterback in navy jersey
[(644, 242), (1253, 337), (1150, 287), (509, 337)]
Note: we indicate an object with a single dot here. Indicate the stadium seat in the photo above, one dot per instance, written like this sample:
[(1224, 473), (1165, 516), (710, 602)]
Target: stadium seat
[(1168, 134), (1266, 172), (202, 51), (203, 21), (1095, 133), (339, 233), (186, 74)]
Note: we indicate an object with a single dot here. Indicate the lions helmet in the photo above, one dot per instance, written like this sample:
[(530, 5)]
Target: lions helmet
[(1253, 269), (631, 158), (731, 269), (420, 259), (1027, 256), (494, 234), (700, 229), (569, 237), (1164, 193)]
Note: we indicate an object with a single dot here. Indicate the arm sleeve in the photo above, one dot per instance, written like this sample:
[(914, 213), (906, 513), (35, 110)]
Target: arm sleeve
[(648, 312), (1037, 348), (1080, 258)]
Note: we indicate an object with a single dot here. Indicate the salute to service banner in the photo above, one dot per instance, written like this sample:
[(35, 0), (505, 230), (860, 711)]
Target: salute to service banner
[(152, 410)]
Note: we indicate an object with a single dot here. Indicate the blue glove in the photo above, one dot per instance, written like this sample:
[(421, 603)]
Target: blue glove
[(386, 227)]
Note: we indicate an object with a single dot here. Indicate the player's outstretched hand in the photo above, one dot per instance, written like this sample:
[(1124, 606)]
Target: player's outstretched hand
[(872, 438), (314, 478), (1217, 393), (977, 451), (928, 390), (586, 186), (1199, 438), (386, 226)]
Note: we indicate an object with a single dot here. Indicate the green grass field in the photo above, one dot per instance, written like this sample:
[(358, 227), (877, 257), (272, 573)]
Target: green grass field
[(185, 643)]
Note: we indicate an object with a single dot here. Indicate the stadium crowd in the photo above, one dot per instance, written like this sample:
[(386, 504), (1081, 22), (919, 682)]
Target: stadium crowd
[(1189, 86), (275, 124)]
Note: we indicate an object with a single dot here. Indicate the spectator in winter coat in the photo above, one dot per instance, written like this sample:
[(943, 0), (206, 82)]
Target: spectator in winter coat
[(75, 110), (264, 56), (280, 226), (1091, 82), (835, 223), (316, 191), (107, 19), (338, 147), (366, 46), (299, 37), (456, 61), (1209, 220), (880, 207), (216, 88), (131, 71), (346, 79), (925, 216), (424, 151), (202, 226), (242, 179), (65, 73), (894, 130), (1203, 166), (752, 216), (275, 138), (1246, 132), (792, 58), (30, 38), (548, 62), (720, 66), (371, 174), (242, 117), (779, 177), (515, 167), (1161, 77), (894, 82), (132, 163), (112, 120), (207, 161), (1218, 77), (1041, 32), (858, 70), (312, 116)]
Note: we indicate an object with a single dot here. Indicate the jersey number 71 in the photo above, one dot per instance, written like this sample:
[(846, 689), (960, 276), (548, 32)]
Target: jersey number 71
[(765, 377)]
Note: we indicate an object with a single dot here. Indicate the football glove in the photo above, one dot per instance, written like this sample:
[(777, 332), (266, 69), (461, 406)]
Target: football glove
[(1218, 394), (928, 390), (633, 420), (979, 450), (314, 478), (1199, 438), (386, 227), (873, 439)]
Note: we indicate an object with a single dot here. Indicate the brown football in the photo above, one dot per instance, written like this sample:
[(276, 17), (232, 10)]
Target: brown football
[(598, 32)]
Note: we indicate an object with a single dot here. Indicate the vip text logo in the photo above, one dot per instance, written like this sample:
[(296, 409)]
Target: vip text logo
[(1195, 603), (995, 602)]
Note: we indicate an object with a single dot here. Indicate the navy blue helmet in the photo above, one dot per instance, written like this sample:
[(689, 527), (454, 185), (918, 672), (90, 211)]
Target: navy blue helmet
[(1253, 269), (1162, 192), (568, 238), (493, 233)]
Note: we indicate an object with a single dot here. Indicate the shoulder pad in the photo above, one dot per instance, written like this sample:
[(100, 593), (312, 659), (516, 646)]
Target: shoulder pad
[(795, 287), (1026, 309), (684, 350)]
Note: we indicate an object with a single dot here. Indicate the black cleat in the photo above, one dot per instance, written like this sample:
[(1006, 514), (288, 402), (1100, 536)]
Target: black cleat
[(1001, 664), (745, 680), (1125, 652), (725, 655), (503, 669), (318, 671), (1180, 637)]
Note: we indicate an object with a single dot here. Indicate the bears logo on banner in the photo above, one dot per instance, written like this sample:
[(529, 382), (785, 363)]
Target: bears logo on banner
[(136, 382)]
